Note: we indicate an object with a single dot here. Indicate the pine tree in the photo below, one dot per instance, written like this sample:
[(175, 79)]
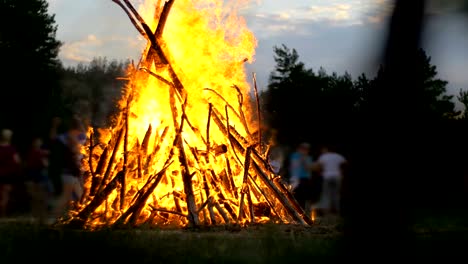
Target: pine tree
[(30, 65)]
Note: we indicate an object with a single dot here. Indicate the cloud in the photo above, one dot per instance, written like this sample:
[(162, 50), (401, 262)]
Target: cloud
[(304, 19), (84, 50), (81, 50)]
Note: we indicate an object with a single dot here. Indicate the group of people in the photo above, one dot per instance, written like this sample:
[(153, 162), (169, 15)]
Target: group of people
[(315, 182), (50, 169)]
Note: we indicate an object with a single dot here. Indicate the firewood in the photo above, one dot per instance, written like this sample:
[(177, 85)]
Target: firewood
[(167, 211), (110, 163), (298, 216), (267, 198), (206, 166), (186, 175), (228, 105), (210, 108), (167, 163), (250, 205), (228, 207), (226, 182), (211, 180), (163, 17), (97, 201), (230, 177), (162, 56), (90, 155), (203, 205), (144, 143), (149, 56), (129, 14), (97, 178), (228, 132), (134, 11), (291, 198), (135, 209), (259, 113), (155, 41), (221, 212), (203, 210), (174, 193), (241, 111), (123, 182), (160, 78), (244, 183), (207, 192), (284, 200), (102, 160), (139, 174), (158, 143)]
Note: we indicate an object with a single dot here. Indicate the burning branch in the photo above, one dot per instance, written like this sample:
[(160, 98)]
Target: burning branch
[(258, 109), (130, 16), (163, 17), (244, 182)]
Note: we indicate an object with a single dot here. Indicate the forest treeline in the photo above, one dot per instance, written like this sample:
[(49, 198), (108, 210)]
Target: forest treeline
[(303, 104)]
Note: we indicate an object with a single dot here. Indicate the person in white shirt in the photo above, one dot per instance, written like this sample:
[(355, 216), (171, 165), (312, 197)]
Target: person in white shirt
[(332, 164)]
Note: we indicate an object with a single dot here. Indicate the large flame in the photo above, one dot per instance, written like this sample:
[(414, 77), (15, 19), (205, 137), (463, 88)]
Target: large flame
[(206, 44)]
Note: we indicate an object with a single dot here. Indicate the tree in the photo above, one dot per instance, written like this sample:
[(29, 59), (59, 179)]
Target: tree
[(29, 51), (436, 99), (92, 89), (288, 95), (303, 105), (432, 101), (361, 86)]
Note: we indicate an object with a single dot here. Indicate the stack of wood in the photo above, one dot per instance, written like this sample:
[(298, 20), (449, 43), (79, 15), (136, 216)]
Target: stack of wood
[(210, 195)]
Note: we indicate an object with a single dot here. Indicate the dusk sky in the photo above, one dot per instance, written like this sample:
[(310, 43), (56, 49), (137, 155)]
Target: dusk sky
[(339, 35)]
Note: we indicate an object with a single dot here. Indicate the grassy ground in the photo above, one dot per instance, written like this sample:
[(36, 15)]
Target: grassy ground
[(445, 234)]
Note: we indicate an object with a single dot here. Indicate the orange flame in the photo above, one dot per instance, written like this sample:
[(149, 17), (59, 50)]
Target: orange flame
[(206, 43)]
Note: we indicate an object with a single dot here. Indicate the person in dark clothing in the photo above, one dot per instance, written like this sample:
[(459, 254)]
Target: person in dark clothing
[(9, 169), (65, 167), (37, 179)]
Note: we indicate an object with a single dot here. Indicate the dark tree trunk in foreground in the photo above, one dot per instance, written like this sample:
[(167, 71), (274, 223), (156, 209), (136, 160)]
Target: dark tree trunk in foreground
[(380, 181)]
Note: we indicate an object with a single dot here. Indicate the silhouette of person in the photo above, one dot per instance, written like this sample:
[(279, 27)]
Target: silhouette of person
[(37, 179), (332, 165), (65, 164), (10, 162), (300, 169)]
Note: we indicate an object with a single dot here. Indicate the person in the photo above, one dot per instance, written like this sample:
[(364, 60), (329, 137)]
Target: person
[(332, 166), (65, 167), (37, 179), (10, 169), (300, 170)]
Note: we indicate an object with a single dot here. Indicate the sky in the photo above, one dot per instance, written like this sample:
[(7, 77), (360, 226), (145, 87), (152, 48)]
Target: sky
[(338, 35)]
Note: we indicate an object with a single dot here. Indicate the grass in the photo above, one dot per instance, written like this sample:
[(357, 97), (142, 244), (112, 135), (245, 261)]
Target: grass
[(269, 243)]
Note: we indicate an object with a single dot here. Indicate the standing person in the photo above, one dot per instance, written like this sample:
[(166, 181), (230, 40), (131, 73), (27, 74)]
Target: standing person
[(300, 170), (332, 164), (37, 179), (65, 167), (10, 167)]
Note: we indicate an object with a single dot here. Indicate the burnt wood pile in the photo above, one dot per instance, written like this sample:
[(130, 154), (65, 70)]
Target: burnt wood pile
[(210, 195)]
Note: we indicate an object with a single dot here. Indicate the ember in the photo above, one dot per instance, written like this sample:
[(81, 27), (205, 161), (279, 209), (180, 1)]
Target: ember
[(186, 148)]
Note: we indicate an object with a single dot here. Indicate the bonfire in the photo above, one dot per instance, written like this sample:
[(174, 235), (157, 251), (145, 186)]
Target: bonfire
[(186, 148)]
